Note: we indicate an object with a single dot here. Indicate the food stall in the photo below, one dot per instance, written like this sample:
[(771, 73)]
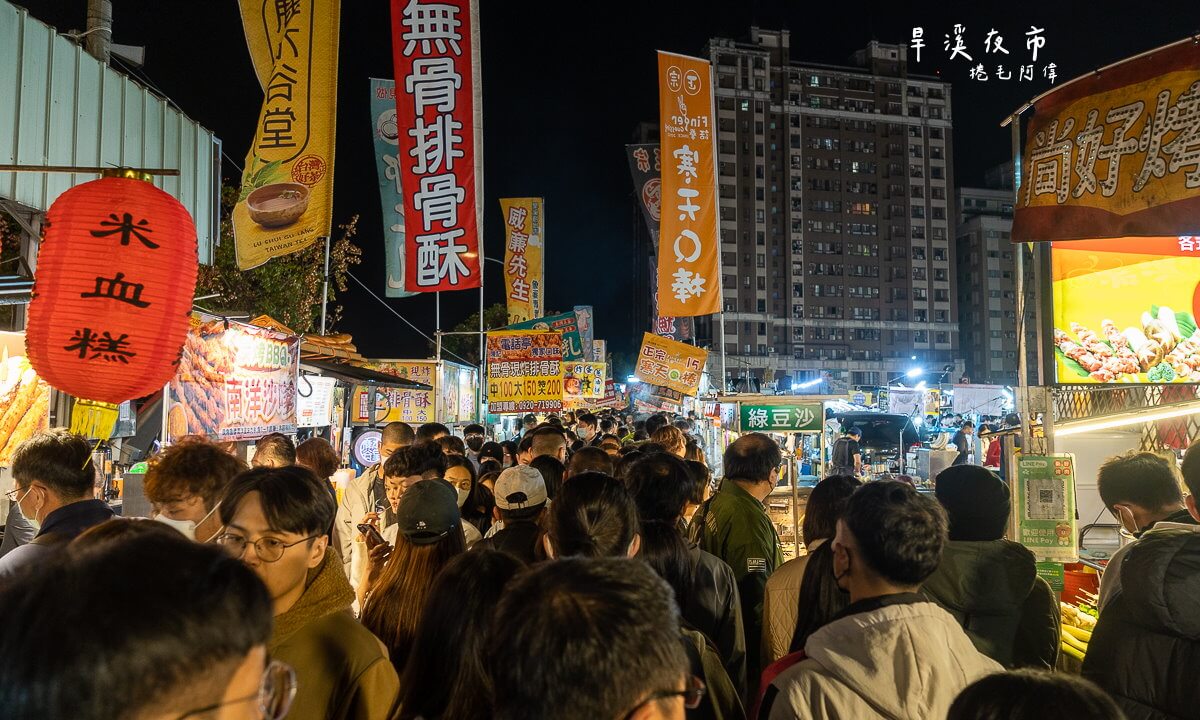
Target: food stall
[(799, 420), (436, 391), (886, 438)]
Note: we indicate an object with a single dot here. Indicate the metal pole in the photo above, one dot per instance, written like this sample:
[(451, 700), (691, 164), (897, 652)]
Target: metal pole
[(482, 378), (1022, 344), (325, 286), (724, 385), (437, 333)]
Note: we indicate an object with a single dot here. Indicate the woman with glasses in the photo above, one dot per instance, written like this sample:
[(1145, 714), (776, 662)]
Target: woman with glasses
[(277, 521)]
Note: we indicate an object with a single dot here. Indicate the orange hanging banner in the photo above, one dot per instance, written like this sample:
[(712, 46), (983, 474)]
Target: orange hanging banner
[(689, 268)]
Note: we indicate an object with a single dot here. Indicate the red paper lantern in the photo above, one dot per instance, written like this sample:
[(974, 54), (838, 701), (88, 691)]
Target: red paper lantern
[(112, 295)]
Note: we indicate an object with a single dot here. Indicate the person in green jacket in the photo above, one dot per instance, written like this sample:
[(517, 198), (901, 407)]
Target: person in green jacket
[(278, 520), (734, 526)]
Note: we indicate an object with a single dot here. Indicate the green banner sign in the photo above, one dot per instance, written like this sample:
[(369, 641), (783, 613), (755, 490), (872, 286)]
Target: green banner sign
[(1045, 506), (805, 417), (1053, 573)]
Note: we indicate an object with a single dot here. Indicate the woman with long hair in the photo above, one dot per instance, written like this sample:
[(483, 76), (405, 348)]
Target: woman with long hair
[(793, 607), (444, 677), (429, 535), (474, 500)]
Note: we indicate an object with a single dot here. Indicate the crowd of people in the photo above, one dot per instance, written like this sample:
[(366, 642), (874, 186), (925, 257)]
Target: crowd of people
[(589, 567)]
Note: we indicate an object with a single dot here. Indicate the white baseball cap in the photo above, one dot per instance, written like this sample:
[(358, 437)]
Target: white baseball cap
[(520, 487)]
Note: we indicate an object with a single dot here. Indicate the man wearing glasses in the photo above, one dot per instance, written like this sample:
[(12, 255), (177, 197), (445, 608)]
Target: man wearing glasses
[(181, 636), (54, 490), (277, 521)]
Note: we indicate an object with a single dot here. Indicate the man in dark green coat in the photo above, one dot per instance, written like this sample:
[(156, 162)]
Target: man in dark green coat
[(734, 526)]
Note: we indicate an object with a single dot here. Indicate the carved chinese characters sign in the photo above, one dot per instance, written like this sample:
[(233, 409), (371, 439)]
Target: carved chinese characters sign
[(1116, 154), (435, 57), (115, 279)]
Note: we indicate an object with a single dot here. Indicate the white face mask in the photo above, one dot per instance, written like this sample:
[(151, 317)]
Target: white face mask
[(187, 528), (31, 519), (585, 433), (462, 496)]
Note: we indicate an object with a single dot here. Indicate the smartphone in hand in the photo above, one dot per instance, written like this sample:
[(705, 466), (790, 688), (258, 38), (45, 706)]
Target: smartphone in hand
[(371, 531)]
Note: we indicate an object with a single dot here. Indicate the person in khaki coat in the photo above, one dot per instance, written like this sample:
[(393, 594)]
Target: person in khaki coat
[(277, 520)]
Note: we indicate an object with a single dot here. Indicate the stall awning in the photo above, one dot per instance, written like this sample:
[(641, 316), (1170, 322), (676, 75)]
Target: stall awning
[(358, 375)]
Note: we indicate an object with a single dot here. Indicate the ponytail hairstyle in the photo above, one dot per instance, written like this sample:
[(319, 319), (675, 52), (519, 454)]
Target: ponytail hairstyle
[(662, 486), (593, 516), (820, 597)]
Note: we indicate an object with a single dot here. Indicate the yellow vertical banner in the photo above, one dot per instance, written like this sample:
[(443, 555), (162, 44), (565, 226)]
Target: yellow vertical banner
[(524, 237), (286, 197), (689, 268)]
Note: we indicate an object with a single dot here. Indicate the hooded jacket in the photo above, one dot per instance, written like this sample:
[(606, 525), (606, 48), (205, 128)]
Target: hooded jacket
[(905, 661), (1146, 646), (342, 670), (993, 590)]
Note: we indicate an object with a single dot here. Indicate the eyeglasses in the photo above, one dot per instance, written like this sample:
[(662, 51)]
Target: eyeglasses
[(268, 549), (12, 494), (692, 695), (275, 694)]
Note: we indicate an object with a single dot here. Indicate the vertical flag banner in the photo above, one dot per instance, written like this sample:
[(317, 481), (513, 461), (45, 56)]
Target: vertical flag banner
[(689, 271), (567, 324), (524, 238), (645, 165), (386, 133), (286, 198), (435, 49), (587, 332)]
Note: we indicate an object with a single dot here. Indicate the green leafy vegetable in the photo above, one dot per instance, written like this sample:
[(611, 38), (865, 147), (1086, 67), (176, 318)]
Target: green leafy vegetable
[(1071, 363), (1185, 320)]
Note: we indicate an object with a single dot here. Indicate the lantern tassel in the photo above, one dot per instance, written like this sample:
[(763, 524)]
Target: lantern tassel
[(94, 419)]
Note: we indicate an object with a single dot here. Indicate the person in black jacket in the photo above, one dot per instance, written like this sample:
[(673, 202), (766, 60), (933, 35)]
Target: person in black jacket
[(1146, 646), (704, 584), (989, 584), (520, 504)]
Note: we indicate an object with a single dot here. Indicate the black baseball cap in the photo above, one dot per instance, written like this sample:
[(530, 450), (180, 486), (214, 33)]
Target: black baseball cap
[(428, 512)]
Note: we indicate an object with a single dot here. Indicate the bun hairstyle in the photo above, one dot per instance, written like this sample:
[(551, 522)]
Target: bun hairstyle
[(593, 516)]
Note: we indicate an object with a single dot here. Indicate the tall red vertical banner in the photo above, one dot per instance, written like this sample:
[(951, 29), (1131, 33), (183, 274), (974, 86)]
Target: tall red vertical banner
[(436, 57)]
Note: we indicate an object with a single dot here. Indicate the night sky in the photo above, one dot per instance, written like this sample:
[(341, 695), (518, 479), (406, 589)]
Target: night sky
[(565, 83)]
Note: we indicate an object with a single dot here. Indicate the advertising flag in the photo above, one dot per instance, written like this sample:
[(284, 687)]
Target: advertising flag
[(286, 197), (525, 371), (1114, 154), (689, 271), (587, 332), (387, 163), (645, 165), (435, 48), (566, 324), (670, 364), (524, 235)]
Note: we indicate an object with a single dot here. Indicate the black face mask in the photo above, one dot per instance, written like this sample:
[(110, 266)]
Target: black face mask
[(475, 443)]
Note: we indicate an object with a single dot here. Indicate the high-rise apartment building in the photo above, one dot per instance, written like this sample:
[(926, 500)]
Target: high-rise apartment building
[(987, 301), (836, 217)]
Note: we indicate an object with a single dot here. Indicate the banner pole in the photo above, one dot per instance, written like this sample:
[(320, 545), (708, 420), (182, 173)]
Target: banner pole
[(1022, 341), (325, 286), (438, 324)]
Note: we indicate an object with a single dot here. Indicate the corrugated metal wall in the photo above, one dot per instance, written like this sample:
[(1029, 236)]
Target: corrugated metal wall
[(61, 106)]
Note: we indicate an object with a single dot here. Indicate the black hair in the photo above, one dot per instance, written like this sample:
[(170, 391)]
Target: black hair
[(629, 455), (753, 457), (293, 499), (1032, 695), (661, 487), (452, 445), (820, 599), (593, 516), (654, 422), (1191, 470), (429, 431), (525, 443), (477, 509), (607, 425), (899, 532), (610, 626), (473, 428), (445, 676), (1143, 478), (587, 418), (276, 447), (552, 471), (418, 459), (590, 459), (189, 614), (701, 480), (60, 460), (399, 433)]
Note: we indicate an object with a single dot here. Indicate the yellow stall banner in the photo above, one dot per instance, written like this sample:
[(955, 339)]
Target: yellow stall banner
[(525, 371), (286, 197), (524, 238), (689, 269), (667, 363)]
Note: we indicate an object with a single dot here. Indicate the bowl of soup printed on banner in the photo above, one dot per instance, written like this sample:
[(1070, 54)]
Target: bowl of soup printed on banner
[(1122, 316)]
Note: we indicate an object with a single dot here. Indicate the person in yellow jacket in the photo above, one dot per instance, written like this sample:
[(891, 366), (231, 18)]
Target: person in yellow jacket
[(277, 520)]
